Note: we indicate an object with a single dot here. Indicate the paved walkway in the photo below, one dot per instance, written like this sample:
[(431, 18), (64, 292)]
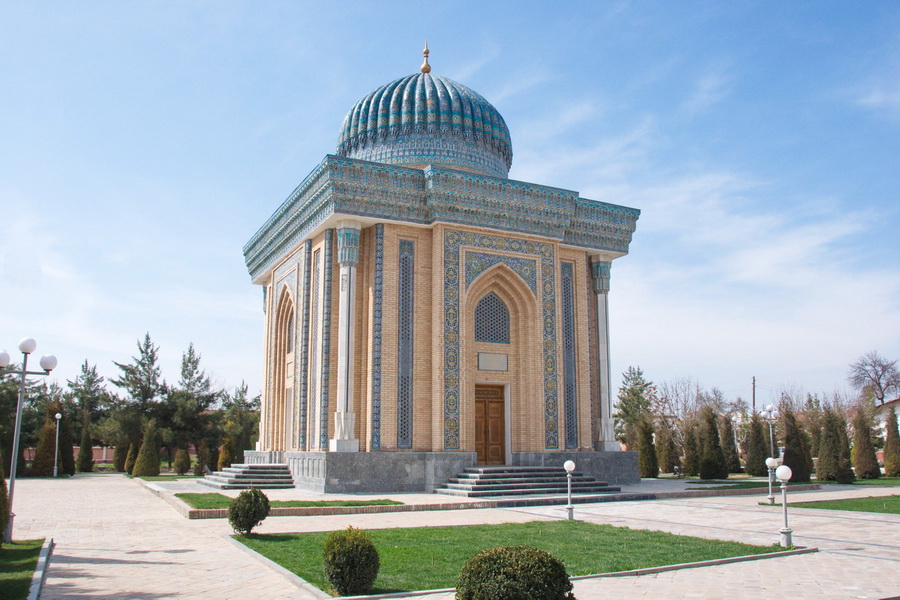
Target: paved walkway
[(116, 540)]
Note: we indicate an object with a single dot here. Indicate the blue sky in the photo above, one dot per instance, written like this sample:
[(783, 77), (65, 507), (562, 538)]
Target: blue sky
[(144, 143)]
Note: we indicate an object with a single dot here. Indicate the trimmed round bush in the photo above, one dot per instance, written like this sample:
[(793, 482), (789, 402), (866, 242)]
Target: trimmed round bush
[(514, 573), (248, 510), (350, 561)]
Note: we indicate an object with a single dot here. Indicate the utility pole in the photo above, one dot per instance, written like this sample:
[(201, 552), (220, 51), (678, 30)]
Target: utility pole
[(754, 394)]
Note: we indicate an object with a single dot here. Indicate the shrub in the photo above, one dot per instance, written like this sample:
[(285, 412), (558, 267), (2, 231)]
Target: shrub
[(350, 561), (182, 461), (147, 463), (86, 451), (119, 456), (514, 573), (647, 461), (891, 446), (248, 510), (226, 457)]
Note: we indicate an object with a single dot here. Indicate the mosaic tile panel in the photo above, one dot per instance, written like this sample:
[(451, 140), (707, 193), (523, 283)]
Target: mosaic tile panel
[(454, 241), (378, 292), (479, 262), (405, 346), (570, 396), (326, 337)]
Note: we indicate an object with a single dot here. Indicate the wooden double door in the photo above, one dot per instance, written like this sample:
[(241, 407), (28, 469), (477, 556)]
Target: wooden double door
[(490, 424)]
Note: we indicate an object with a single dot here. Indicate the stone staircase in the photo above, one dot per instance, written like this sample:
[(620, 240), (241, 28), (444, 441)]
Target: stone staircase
[(242, 477), (524, 482)]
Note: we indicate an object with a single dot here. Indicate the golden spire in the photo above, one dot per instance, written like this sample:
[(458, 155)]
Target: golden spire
[(426, 68)]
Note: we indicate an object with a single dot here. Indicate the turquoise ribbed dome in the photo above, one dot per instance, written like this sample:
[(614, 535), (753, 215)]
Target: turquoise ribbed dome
[(426, 119)]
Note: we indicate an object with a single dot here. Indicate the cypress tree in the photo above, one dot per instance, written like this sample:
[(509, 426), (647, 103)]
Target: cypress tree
[(66, 441), (4, 502), (119, 455), (147, 463), (891, 446), (712, 459), (131, 457), (864, 462), (691, 450), (647, 463), (666, 452), (729, 447), (834, 455), (86, 451), (42, 465), (182, 461), (202, 459), (757, 449), (226, 457), (796, 448)]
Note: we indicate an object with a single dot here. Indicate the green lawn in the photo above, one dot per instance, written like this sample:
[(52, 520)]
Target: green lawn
[(873, 504), (879, 481), (214, 500), (17, 563), (431, 557), (723, 485)]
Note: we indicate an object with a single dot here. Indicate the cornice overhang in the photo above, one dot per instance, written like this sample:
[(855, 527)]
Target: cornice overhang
[(343, 186)]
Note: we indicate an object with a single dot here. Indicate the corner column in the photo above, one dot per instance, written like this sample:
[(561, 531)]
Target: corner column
[(600, 285), (344, 417)]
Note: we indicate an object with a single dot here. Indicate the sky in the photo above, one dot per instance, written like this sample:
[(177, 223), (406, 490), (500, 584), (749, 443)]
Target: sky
[(142, 144)]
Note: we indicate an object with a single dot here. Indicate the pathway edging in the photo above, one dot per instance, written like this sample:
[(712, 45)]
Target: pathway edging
[(40, 571)]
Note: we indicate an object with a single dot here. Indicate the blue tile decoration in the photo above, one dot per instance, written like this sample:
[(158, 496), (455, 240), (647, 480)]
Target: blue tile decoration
[(479, 262), (304, 348), (570, 391), (453, 242), (326, 336), (378, 292), (316, 347), (401, 194), (405, 345)]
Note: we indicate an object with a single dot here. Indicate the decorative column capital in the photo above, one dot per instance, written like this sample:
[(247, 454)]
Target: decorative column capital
[(600, 275), (348, 246)]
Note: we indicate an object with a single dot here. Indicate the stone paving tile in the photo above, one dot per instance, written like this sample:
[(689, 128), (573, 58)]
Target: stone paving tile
[(116, 540)]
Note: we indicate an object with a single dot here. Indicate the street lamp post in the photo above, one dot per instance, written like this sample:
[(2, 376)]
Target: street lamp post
[(771, 414), (57, 416), (570, 510), (48, 363), (783, 473)]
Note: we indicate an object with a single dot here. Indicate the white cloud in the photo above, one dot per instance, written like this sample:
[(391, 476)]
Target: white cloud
[(710, 89)]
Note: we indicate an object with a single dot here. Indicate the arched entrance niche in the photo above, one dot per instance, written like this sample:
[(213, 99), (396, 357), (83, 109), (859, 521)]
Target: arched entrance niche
[(281, 422), (501, 375)]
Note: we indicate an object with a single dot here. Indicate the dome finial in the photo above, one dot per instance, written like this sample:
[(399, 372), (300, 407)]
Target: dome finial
[(426, 68)]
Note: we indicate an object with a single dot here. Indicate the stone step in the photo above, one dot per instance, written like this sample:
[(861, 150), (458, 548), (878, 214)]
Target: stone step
[(496, 481), (243, 476), (528, 486), (243, 486), (478, 493), (519, 479)]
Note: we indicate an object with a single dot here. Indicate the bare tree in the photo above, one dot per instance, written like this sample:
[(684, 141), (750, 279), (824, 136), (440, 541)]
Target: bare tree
[(676, 403), (875, 374)]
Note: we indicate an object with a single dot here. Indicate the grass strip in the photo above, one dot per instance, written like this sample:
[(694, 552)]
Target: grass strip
[(872, 504), (747, 485), (17, 563), (214, 500), (879, 481), (426, 558)]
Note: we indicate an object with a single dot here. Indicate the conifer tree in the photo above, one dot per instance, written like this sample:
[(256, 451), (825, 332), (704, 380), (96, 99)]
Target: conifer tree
[(131, 457), (120, 454), (891, 446), (4, 502), (226, 457), (712, 459), (666, 451), (757, 449), (182, 461), (729, 447), (86, 449), (636, 396), (647, 463), (691, 449), (42, 465), (796, 448), (834, 455), (147, 463), (865, 465)]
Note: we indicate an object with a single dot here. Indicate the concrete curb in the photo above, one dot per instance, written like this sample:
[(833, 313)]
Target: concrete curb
[(40, 571), (296, 580)]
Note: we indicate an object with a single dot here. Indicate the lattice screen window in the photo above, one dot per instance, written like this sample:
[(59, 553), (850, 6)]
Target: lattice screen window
[(405, 294), (492, 320), (570, 396)]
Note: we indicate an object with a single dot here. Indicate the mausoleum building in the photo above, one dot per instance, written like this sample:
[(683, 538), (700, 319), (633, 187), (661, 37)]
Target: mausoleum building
[(425, 313)]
